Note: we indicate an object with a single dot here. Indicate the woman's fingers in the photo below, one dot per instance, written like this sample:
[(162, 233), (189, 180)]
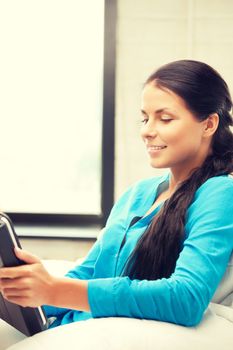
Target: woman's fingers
[(16, 283), (21, 296), (18, 291), (23, 270), (20, 300), (15, 292), (26, 285), (16, 272), (26, 256)]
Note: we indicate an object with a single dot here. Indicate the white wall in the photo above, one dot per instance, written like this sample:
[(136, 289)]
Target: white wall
[(151, 33)]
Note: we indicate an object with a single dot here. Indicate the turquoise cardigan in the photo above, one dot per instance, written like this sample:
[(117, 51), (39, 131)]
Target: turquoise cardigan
[(183, 297)]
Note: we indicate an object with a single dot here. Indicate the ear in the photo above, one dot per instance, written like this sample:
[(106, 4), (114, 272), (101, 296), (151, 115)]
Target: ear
[(210, 125)]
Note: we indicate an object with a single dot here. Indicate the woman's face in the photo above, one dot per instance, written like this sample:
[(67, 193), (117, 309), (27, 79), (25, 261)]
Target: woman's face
[(172, 135)]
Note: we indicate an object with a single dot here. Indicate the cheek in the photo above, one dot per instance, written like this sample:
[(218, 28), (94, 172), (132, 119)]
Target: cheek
[(184, 134), (187, 144), (171, 134)]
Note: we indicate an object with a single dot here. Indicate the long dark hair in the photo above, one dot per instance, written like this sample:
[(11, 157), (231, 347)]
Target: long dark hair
[(204, 92)]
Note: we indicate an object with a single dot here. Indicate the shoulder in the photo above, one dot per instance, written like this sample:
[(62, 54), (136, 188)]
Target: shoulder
[(213, 201), (218, 187), (222, 181)]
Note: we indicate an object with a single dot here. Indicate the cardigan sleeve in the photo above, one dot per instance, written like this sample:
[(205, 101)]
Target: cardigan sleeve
[(184, 296)]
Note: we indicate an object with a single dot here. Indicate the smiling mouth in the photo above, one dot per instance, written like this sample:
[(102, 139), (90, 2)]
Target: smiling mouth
[(155, 148)]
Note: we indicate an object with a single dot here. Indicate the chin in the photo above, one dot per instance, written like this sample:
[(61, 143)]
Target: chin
[(158, 165)]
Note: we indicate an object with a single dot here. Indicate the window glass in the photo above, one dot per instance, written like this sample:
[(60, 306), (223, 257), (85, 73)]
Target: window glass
[(51, 89)]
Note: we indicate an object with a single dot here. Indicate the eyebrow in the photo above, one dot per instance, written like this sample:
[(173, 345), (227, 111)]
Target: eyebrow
[(158, 110)]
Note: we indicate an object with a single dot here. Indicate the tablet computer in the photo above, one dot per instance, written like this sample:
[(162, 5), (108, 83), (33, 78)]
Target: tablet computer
[(26, 319)]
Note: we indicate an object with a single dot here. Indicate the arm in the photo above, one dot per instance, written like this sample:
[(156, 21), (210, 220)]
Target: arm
[(31, 285)]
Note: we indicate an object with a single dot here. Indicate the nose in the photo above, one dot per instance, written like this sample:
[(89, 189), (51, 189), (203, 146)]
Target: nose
[(148, 130)]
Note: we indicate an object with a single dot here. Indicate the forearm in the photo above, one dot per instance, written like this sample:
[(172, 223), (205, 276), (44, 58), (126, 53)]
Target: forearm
[(69, 293)]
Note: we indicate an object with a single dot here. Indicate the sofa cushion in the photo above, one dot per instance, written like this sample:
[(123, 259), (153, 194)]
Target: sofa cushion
[(213, 333)]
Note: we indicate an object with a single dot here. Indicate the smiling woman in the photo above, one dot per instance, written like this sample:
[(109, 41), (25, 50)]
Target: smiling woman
[(168, 240)]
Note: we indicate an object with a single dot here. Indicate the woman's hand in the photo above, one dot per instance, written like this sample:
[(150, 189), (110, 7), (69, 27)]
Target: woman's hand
[(27, 285)]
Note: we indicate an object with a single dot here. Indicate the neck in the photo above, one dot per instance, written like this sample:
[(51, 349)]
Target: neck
[(174, 182), (181, 173)]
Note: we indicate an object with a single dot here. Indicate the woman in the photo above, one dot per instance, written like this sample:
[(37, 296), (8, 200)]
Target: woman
[(168, 239)]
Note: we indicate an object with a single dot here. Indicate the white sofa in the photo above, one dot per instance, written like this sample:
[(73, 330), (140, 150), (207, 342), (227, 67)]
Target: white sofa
[(213, 333)]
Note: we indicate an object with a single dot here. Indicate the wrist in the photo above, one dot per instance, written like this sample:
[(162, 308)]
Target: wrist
[(53, 290), (68, 293)]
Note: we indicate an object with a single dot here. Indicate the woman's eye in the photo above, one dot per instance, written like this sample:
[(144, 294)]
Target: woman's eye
[(166, 119), (144, 120)]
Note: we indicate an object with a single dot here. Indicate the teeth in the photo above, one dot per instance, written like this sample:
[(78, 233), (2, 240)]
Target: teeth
[(157, 147)]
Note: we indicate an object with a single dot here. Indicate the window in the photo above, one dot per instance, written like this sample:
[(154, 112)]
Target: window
[(53, 118)]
